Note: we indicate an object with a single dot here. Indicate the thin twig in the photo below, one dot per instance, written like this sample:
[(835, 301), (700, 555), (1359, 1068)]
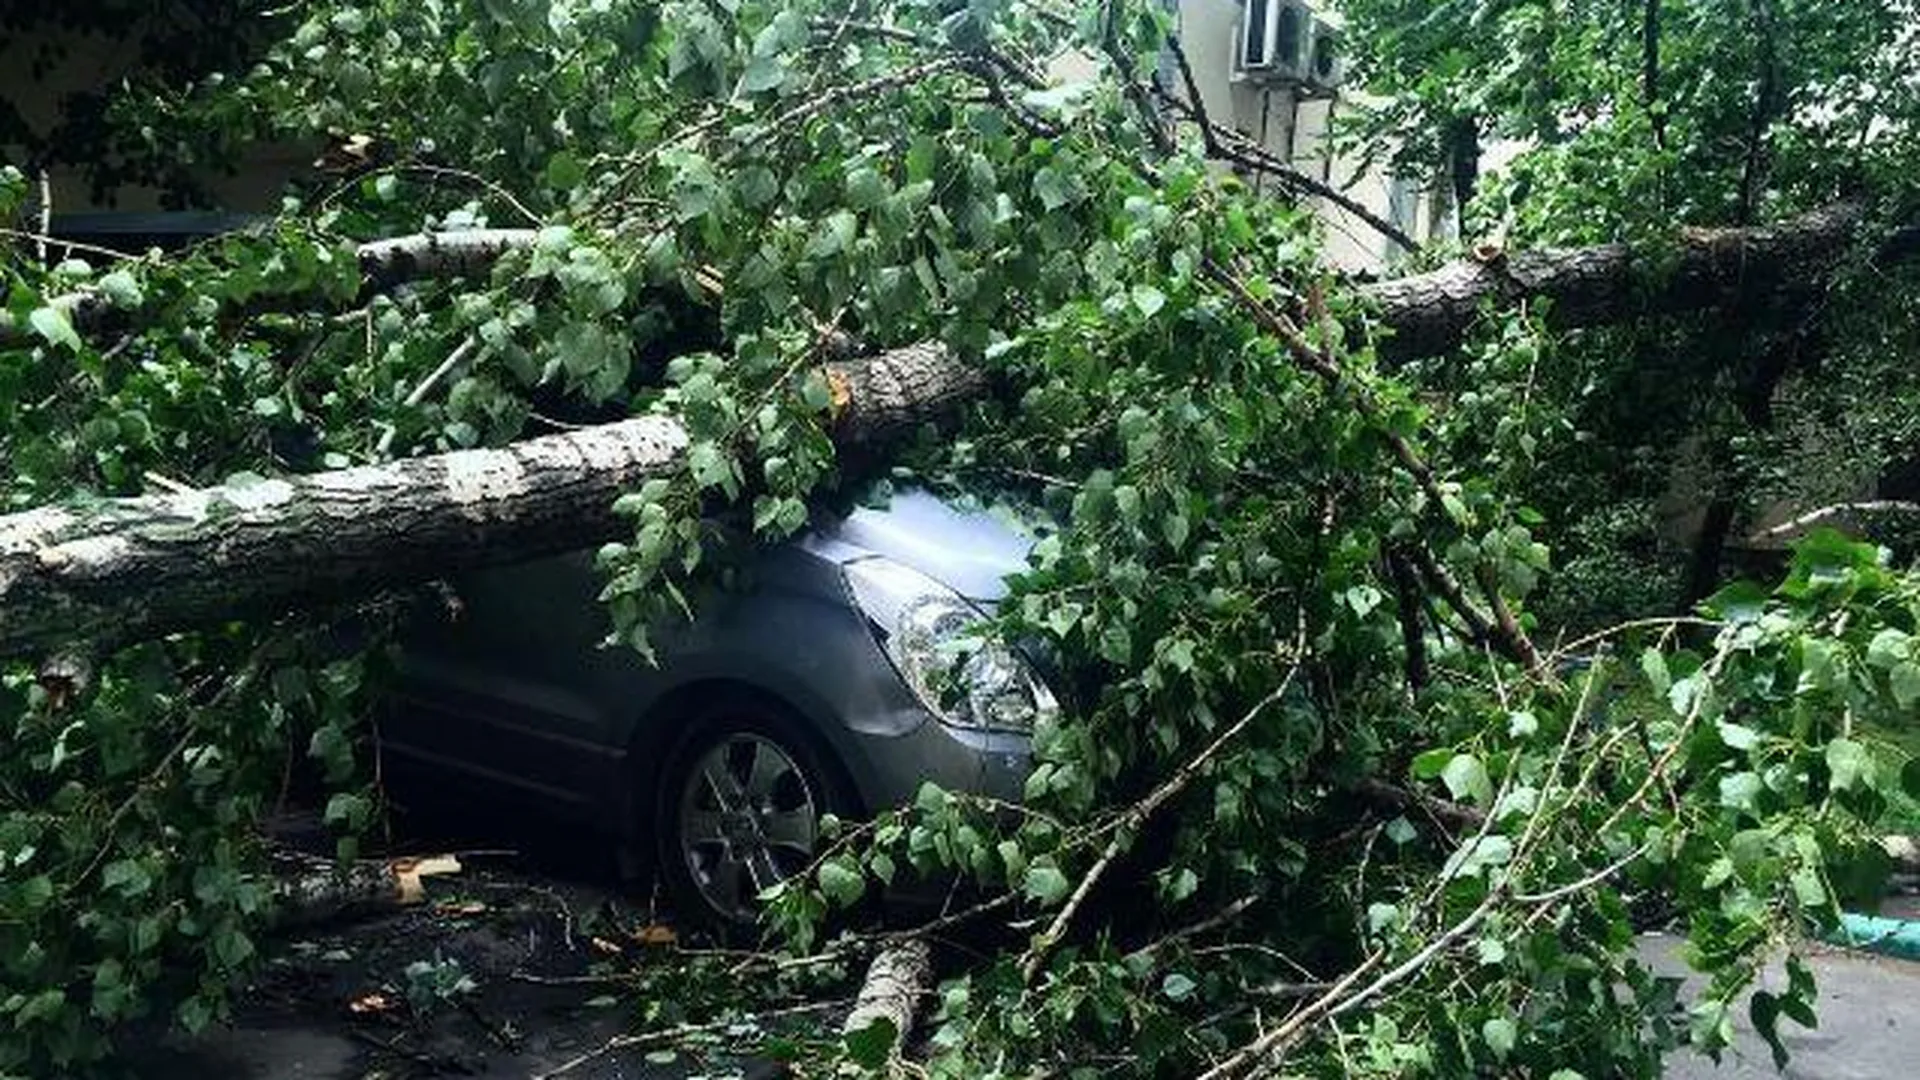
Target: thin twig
[(1136, 816), (1582, 884), (166, 483), (46, 213), (682, 1031), (43, 238), (454, 359), (419, 394), (1236, 149), (1870, 506)]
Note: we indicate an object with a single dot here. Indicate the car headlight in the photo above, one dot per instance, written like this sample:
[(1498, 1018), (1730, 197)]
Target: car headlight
[(933, 636)]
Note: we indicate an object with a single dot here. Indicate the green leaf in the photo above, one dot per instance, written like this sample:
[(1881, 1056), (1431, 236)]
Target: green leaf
[(564, 171), (866, 188), (870, 1047), (1889, 649), (1063, 618), (121, 288), (1148, 300), (1045, 883), (1429, 765), (1850, 763), (1740, 602), (1176, 528), (763, 73), (1738, 790), (1055, 187), (1478, 855), (1654, 666), (1180, 654), (1177, 987), (1905, 680), (1764, 1011), (126, 875), (1500, 1033), (53, 325), (710, 467), (1808, 887), (842, 883), (1466, 778)]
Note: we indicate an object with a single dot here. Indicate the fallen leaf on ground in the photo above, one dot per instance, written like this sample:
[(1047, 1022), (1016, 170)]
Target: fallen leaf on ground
[(657, 934), (370, 1004)]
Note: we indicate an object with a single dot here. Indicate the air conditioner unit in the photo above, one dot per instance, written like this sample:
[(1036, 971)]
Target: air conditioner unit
[(1325, 63), (1271, 45)]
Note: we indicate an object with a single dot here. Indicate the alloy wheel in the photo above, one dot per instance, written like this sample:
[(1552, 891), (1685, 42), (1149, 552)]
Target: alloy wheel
[(749, 819)]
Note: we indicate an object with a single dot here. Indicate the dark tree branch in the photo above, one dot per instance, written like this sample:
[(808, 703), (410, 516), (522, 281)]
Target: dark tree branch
[(1650, 69), (1409, 606)]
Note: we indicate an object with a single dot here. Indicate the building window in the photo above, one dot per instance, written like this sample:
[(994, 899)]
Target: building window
[(1253, 52)]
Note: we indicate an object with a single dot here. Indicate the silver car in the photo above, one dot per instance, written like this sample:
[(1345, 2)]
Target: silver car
[(848, 674)]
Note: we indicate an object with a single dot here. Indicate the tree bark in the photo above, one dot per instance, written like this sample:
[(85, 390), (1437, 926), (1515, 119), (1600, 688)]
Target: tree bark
[(891, 992), (309, 890), (124, 569), (1781, 265)]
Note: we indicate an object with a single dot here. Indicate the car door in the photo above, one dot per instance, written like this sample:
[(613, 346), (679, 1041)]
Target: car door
[(503, 681)]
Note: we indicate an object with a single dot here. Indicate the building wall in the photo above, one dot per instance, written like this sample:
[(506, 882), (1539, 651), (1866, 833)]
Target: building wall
[(1296, 130)]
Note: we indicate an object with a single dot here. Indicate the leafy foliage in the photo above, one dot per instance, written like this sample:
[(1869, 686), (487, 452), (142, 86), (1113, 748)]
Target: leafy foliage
[(1296, 598)]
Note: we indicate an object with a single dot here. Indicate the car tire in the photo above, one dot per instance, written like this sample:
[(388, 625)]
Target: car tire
[(737, 806)]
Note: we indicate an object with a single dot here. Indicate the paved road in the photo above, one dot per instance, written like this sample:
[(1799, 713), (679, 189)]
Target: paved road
[(1869, 1030), (332, 1005), (1869, 1010)]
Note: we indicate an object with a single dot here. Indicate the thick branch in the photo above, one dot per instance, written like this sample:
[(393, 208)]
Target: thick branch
[(310, 890), (122, 569), (891, 994), (1780, 264)]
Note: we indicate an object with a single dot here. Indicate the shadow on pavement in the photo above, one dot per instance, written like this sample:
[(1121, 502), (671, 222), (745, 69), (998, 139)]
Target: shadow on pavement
[(489, 978)]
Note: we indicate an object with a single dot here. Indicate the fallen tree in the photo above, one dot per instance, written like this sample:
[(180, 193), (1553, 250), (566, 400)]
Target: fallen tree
[(126, 569), (1414, 854), (121, 569)]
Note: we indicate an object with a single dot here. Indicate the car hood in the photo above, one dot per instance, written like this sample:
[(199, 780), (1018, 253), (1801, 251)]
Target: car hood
[(971, 551)]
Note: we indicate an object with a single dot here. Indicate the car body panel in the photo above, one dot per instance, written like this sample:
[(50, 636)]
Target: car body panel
[(510, 687)]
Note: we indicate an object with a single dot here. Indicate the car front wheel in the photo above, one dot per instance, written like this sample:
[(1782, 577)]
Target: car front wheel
[(740, 804)]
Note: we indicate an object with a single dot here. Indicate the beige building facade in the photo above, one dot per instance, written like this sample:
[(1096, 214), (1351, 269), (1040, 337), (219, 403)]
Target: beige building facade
[(1274, 71)]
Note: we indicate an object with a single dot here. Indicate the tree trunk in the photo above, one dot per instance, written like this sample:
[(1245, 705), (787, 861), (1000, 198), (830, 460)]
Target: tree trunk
[(1780, 266), (125, 569)]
